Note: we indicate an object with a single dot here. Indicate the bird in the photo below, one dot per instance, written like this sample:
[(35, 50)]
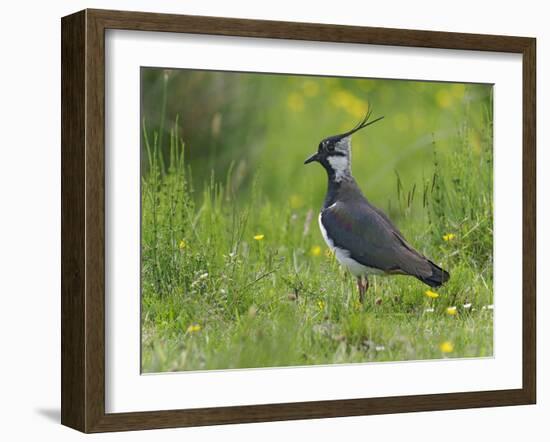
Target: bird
[(361, 236)]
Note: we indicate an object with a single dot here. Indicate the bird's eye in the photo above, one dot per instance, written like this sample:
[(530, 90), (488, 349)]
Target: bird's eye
[(330, 147)]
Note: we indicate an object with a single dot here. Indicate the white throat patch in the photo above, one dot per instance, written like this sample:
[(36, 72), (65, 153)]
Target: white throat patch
[(340, 164)]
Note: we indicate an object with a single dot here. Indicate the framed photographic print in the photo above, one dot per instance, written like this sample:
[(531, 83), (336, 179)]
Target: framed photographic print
[(267, 220)]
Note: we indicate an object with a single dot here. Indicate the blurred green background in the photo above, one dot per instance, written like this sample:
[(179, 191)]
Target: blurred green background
[(266, 125)]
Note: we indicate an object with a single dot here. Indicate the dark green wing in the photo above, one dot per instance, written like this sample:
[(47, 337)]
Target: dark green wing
[(371, 239)]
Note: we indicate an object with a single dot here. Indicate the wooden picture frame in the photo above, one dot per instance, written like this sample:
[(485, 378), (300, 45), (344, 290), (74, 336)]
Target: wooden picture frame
[(83, 220)]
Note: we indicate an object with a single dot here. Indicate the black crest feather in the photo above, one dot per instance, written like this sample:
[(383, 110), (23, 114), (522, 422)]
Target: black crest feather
[(362, 124)]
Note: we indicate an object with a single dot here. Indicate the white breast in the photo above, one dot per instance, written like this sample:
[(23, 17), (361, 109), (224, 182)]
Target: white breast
[(343, 257)]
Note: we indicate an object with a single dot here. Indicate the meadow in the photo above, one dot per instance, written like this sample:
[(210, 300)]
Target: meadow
[(235, 273)]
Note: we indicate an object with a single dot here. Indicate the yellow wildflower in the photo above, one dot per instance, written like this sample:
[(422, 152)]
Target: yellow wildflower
[(311, 88), (295, 102), (321, 305), (357, 109), (431, 294), (182, 244), (451, 311), (315, 251), (444, 98), (449, 237), (343, 98), (446, 347), (296, 201), (193, 328), (259, 237)]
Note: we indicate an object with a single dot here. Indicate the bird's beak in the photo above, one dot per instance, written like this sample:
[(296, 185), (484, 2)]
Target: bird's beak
[(314, 157)]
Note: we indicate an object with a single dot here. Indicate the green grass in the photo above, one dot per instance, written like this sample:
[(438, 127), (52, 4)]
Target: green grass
[(214, 297)]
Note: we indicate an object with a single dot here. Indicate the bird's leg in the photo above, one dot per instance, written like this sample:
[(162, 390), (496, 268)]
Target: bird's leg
[(362, 286)]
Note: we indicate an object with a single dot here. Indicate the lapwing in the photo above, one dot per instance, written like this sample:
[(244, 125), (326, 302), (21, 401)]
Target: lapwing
[(360, 235)]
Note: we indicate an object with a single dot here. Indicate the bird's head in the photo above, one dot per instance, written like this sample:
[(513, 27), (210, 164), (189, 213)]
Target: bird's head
[(334, 153)]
